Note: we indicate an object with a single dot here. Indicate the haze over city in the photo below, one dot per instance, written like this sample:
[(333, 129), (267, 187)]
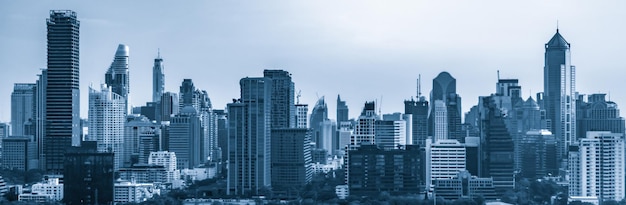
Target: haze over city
[(362, 50)]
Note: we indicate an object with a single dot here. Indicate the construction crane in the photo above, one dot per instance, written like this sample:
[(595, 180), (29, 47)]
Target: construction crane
[(298, 97)]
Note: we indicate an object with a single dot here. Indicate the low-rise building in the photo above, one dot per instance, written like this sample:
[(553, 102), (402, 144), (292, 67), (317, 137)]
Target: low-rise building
[(465, 186), (131, 192)]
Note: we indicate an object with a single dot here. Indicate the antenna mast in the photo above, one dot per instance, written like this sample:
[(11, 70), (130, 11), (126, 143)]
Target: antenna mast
[(419, 86), (298, 97)]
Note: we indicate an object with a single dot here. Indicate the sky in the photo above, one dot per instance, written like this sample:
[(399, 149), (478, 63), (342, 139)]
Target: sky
[(361, 50)]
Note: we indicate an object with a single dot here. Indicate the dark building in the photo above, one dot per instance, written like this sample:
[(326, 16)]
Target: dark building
[(185, 133), (342, 110), (496, 148), (465, 186), (372, 170), (150, 110), (88, 175), (18, 152), (281, 90), (597, 114), (319, 156), (419, 111), (291, 160), (444, 89), (222, 133), (168, 106), (62, 89), (538, 156)]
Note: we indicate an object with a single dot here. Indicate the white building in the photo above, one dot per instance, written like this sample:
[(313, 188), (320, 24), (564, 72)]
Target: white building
[(597, 167), (198, 174), (301, 115), (364, 130), (125, 192), (342, 191), (107, 112), (168, 160), (441, 120), (50, 190), (444, 159)]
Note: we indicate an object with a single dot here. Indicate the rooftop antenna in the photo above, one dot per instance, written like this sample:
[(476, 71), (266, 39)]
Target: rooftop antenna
[(419, 85), (498, 75), (557, 25), (380, 106), (158, 52), (298, 97)]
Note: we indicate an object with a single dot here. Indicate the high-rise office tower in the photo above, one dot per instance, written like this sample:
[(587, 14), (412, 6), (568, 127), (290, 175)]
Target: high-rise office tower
[(185, 138), (249, 144), (40, 116), (283, 110), (188, 95), (596, 166), (106, 122), (117, 77), (364, 132), (497, 148), (598, 114), (342, 110), (136, 128), (291, 159), (22, 106), (444, 89), (419, 112), (301, 115), (525, 116), (319, 114), (169, 106), (62, 88), (391, 131), (538, 155), (158, 79), (559, 89)]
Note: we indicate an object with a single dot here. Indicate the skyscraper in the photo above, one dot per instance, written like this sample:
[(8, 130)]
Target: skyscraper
[(117, 76), (444, 89), (62, 88), (188, 95), (559, 87), (158, 79), (22, 106), (135, 128), (419, 112), (106, 122), (89, 176), (185, 138), (497, 149), (291, 159), (169, 106), (342, 110), (319, 114), (249, 142), (283, 111), (440, 122)]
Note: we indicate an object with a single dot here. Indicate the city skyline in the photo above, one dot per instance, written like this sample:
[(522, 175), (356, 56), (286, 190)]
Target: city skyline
[(333, 42)]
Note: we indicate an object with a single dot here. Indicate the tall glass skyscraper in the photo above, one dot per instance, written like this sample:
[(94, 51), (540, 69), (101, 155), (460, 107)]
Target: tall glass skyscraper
[(22, 106), (158, 79), (117, 75), (559, 87), (62, 89), (342, 110), (444, 89)]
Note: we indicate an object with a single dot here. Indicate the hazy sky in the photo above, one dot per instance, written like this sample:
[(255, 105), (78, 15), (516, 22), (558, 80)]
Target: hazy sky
[(363, 50)]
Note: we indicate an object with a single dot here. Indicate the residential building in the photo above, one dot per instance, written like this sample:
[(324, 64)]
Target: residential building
[(291, 159), (167, 160), (106, 122), (598, 166), (117, 77), (444, 160), (132, 192)]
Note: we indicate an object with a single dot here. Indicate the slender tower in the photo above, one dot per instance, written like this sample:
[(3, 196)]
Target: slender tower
[(62, 89), (559, 92), (158, 79), (117, 75)]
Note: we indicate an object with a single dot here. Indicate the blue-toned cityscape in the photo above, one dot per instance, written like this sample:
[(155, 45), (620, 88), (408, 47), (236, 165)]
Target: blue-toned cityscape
[(557, 146)]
